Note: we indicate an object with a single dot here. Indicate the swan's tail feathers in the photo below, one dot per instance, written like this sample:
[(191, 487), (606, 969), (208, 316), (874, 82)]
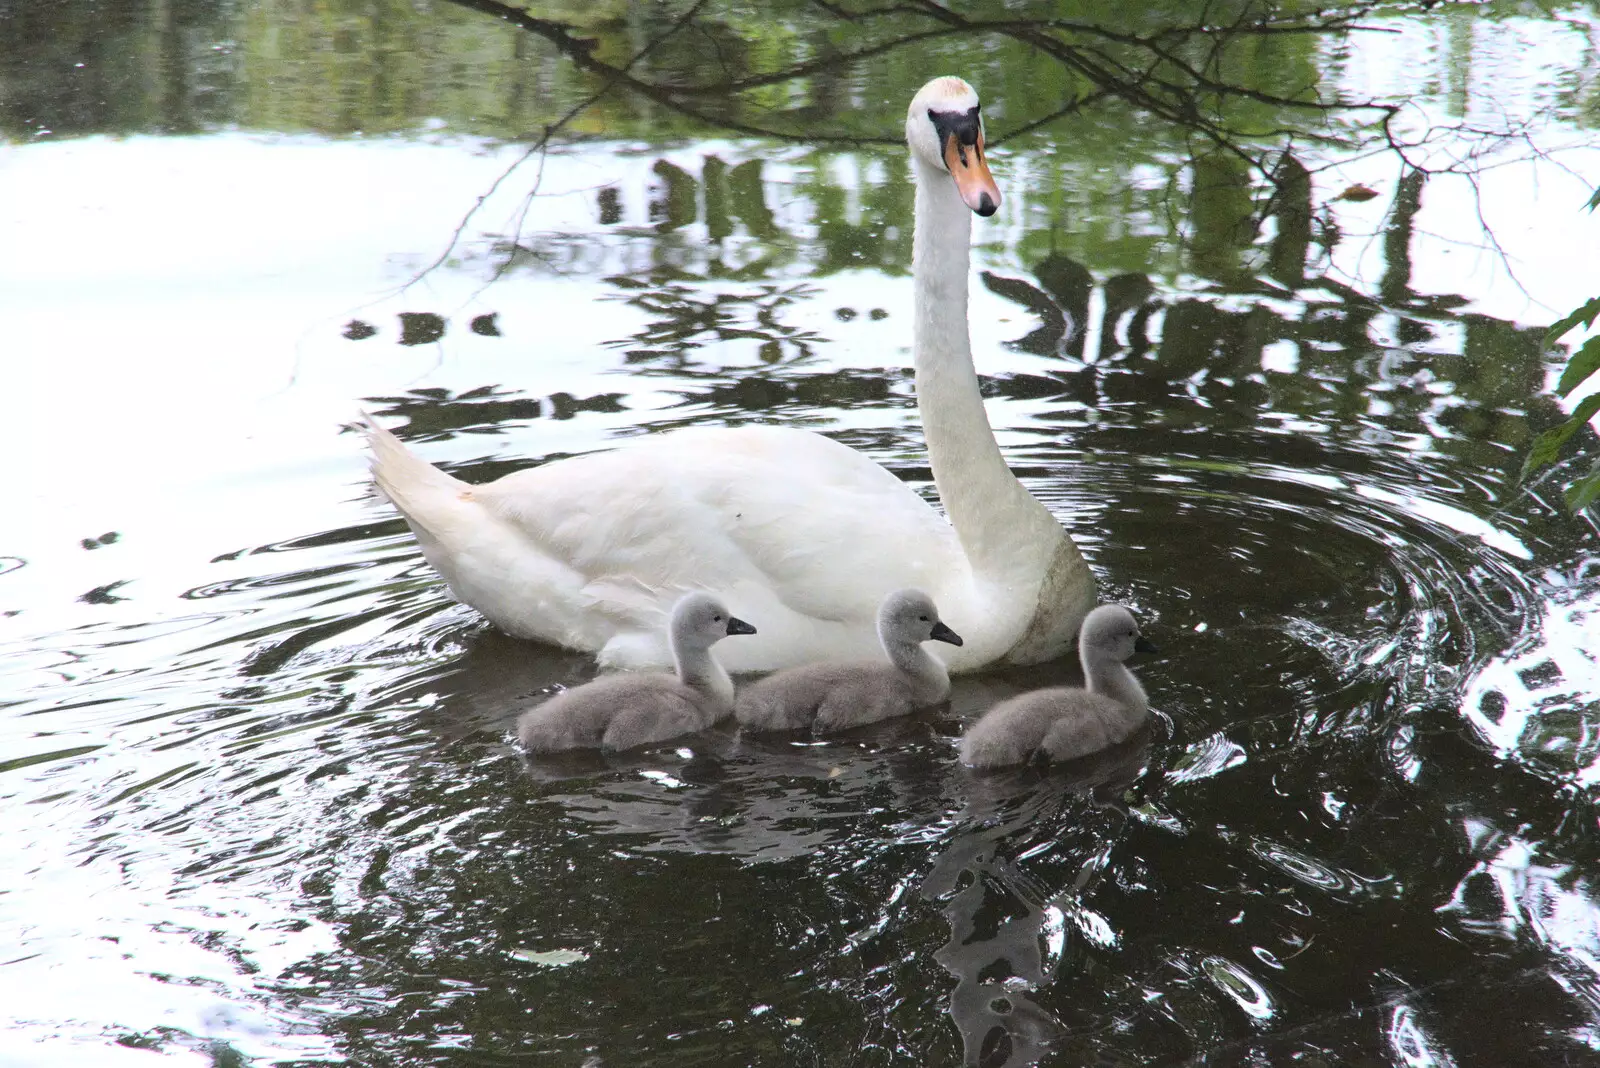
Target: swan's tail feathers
[(423, 493)]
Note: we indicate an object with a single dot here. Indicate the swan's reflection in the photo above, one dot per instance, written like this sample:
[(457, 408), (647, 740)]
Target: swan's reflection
[(1009, 928), (760, 800)]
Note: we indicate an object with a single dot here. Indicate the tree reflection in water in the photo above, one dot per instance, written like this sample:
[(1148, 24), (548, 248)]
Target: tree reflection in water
[(1369, 836), (1338, 617)]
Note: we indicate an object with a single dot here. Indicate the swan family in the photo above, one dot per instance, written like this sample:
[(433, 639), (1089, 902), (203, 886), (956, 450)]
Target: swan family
[(649, 554), (789, 528), (1053, 725)]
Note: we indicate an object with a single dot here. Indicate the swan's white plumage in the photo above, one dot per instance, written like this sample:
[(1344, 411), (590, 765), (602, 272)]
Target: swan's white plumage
[(796, 532), (577, 577)]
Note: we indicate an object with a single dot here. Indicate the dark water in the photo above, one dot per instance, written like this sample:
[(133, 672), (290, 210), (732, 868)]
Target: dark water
[(260, 804)]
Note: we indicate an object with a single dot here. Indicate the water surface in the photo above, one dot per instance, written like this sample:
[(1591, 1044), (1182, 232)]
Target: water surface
[(260, 803)]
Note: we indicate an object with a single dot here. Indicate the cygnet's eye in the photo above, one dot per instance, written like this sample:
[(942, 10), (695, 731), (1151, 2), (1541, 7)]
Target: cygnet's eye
[(925, 619), (716, 619)]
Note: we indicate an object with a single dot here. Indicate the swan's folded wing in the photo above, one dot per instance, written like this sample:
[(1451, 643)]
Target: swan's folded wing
[(788, 517)]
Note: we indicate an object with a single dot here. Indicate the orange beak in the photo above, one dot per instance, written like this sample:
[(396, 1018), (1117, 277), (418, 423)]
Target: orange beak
[(971, 172)]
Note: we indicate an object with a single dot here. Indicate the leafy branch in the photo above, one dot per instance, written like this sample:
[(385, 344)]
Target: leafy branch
[(1582, 365)]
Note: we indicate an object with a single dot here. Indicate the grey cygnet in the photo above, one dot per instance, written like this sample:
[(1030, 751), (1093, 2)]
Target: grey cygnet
[(1064, 722), (833, 696), (625, 711)]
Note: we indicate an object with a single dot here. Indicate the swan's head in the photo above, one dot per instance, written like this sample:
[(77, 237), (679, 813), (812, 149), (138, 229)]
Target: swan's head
[(700, 620), (1111, 631), (908, 617), (945, 132)]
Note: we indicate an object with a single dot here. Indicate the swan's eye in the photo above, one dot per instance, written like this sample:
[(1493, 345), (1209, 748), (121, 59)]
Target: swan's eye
[(716, 619)]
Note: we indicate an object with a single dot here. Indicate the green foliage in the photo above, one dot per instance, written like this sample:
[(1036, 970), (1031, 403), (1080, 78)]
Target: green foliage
[(1584, 362), (1584, 492), (1547, 446), (1581, 316), (1581, 366)]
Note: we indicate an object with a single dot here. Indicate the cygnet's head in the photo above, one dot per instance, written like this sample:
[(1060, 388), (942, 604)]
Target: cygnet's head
[(1111, 631), (699, 619), (909, 617), (944, 131)]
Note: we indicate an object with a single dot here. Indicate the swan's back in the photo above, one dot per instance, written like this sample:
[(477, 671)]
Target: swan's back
[(617, 712), (825, 697), (1058, 723), (591, 552)]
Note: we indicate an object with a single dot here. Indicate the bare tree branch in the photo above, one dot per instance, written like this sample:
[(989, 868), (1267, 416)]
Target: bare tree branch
[(541, 147)]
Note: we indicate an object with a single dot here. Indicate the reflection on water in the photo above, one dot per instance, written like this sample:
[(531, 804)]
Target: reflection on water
[(1009, 927), (260, 802), (352, 862)]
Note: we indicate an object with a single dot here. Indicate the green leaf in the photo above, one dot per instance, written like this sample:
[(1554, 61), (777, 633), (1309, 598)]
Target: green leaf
[(1547, 446), (1583, 493), (1584, 362), (1584, 315), (1585, 409), (1594, 201)]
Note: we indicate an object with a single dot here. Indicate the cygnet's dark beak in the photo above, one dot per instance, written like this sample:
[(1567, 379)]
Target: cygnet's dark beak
[(739, 626), (942, 633), (1142, 644)]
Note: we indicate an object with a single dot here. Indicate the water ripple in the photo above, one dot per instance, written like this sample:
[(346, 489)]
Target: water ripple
[(297, 808), (1210, 756), (1306, 869), (1536, 701), (1236, 983)]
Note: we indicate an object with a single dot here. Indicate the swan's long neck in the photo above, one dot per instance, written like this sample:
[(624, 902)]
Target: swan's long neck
[(992, 513), (930, 680), (1103, 675), (699, 670)]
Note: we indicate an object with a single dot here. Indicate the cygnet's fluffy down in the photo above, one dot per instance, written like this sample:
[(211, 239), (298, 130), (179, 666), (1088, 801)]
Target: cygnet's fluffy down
[(1065, 722), (833, 696), (623, 711)]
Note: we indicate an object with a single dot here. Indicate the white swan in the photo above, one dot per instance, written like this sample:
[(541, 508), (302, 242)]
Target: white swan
[(834, 696), (625, 711), (789, 527), (1066, 722)]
